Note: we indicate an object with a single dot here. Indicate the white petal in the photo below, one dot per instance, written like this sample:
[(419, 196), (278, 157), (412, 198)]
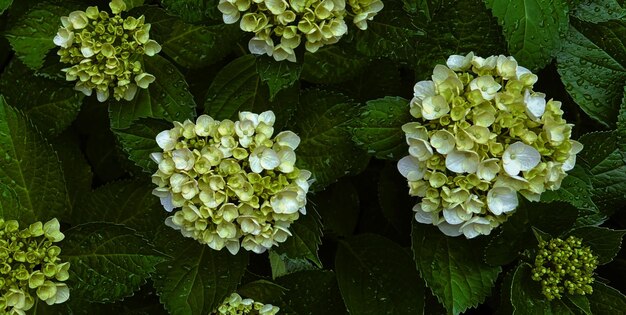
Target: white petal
[(420, 149), (289, 139), (167, 204), (535, 104), (268, 117), (520, 156), (255, 163), (409, 167), (462, 161), (421, 216), (424, 89), (165, 141), (451, 216), (501, 200), (157, 157), (449, 229), (269, 159), (434, 107)]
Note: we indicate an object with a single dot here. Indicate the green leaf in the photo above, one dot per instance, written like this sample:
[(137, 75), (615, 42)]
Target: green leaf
[(193, 11), (31, 35), (139, 140), (326, 149), (378, 129), (311, 292), (197, 279), (30, 168), (592, 67), (453, 268), (237, 87), (191, 46), (621, 128), (516, 233), (606, 300), (305, 240), (168, 97), (599, 11), (10, 205), (128, 202), (526, 294), (133, 3), (109, 261), (282, 264), (393, 33), (277, 75), (532, 28), (604, 242), (5, 4), (377, 276), (332, 64), (52, 106)]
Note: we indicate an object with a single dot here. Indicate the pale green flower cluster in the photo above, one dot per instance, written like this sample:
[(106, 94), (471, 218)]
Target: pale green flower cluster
[(105, 51), (235, 184), (564, 266), (30, 265), (236, 305), (280, 26), (482, 135)]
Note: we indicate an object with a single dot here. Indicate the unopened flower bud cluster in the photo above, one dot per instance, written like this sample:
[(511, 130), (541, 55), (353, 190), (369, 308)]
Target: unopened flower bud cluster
[(564, 266), (105, 51), (481, 136), (235, 184), (280, 26), (236, 305), (30, 266)]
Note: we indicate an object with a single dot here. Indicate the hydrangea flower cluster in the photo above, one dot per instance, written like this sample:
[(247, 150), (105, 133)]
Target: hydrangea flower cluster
[(482, 135), (280, 26), (105, 51), (564, 266), (236, 305), (30, 265), (235, 184)]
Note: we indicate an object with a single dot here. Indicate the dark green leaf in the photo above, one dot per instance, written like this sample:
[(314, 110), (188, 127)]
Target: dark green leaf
[(130, 203), (516, 234), (277, 75), (109, 261), (526, 294), (394, 199), (621, 128), (532, 28), (452, 32), (193, 11), (305, 240), (263, 291), (377, 276), (604, 242), (237, 87), (606, 300), (311, 293), (580, 301), (168, 97), (378, 129), (591, 66), (453, 268), (76, 170), (52, 106), (393, 33), (191, 46), (599, 11), (326, 148), (31, 35), (138, 141), (604, 162), (332, 64), (282, 265), (30, 168), (338, 206), (197, 279)]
